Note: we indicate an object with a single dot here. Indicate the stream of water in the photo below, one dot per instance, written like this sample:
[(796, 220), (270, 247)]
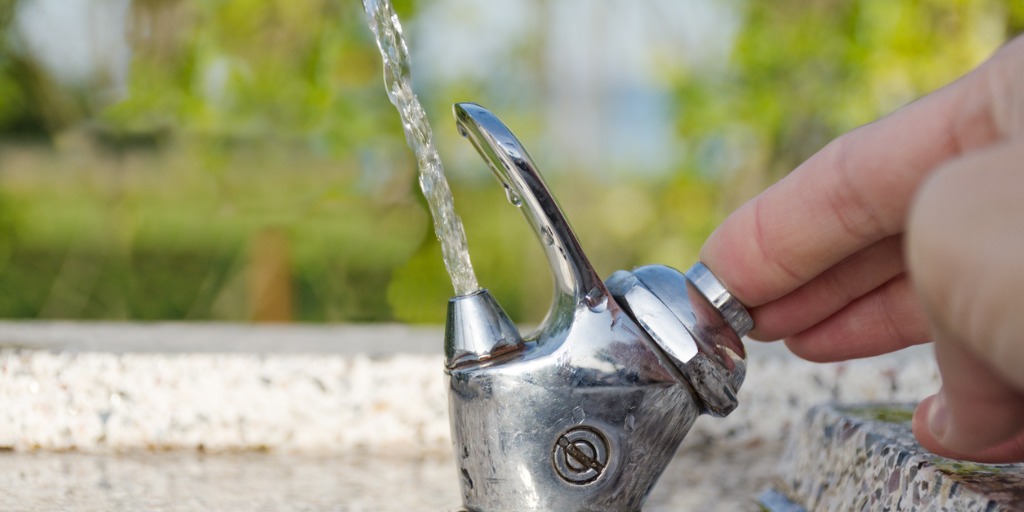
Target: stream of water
[(398, 82)]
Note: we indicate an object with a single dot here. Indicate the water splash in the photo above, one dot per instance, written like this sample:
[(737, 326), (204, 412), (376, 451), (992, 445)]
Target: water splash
[(398, 81)]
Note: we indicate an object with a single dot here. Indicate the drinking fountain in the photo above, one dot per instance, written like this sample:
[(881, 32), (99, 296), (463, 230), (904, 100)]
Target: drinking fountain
[(585, 413)]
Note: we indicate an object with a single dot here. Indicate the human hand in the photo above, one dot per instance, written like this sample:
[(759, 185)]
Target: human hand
[(905, 230)]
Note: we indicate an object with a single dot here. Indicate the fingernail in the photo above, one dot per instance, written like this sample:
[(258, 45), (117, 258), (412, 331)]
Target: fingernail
[(938, 417)]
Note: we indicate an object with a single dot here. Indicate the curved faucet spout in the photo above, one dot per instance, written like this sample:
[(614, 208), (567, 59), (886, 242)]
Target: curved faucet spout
[(575, 279)]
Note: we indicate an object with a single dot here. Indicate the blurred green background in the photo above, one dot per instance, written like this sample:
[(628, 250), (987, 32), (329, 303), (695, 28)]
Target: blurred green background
[(238, 160)]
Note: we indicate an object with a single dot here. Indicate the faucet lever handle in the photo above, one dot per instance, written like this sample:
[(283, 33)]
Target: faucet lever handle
[(696, 322)]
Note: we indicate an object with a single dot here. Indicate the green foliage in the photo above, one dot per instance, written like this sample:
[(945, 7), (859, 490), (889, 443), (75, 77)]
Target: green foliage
[(253, 69), (241, 116), (1014, 18), (419, 289), (804, 72), (22, 111)]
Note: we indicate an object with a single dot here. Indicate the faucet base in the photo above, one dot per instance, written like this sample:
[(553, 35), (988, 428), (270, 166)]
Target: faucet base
[(569, 427)]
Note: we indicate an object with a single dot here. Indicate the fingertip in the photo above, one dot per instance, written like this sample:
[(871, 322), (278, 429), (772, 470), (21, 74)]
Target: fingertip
[(757, 335), (931, 420), (809, 348), (769, 324), (920, 424), (761, 330), (932, 424), (723, 254)]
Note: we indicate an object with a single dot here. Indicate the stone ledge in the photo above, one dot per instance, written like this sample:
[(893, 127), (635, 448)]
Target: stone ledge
[(95, 401), (113, 387), (280, 403), (221, 338), (866, 458)]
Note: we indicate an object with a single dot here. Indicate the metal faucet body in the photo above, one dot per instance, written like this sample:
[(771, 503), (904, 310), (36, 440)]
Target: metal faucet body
[(585, 413)]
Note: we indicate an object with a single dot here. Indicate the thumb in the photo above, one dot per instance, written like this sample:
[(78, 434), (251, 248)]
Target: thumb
[(974, 416), (965, 253)]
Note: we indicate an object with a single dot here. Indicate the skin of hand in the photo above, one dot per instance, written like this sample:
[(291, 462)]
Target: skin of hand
[(906, 230)]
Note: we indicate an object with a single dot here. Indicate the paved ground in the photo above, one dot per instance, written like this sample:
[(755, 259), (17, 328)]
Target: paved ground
[(702, 480)]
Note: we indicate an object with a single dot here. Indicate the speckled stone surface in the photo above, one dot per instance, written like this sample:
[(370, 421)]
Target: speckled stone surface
[(225, 387), (102, 401), (865, 458), (298, 418)]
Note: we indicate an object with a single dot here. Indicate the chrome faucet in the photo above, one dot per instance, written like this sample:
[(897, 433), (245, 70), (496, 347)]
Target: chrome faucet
[(585, 413)]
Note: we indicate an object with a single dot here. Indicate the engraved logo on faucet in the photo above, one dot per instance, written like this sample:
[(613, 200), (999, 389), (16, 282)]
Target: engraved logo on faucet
[(580, 455)]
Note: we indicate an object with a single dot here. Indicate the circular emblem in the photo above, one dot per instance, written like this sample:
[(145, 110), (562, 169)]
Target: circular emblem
[(580, 455)]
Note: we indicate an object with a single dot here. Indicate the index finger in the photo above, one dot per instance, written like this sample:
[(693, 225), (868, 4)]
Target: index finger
[(854, 192)]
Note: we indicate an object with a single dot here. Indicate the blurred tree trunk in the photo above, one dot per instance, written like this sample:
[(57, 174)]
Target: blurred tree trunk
[(269, 277)]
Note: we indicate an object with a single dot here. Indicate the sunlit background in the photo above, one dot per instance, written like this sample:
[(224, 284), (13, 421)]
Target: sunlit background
[(238, 160)]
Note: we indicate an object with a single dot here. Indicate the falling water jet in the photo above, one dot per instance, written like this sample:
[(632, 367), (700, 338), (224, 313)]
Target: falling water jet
[(398, 81)]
